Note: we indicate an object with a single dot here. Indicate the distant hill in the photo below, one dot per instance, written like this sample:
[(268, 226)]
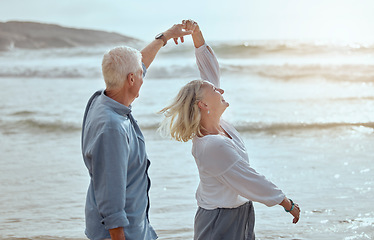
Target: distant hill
[(32, 35)]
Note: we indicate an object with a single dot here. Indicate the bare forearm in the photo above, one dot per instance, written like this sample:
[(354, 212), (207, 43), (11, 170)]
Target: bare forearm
[(117, 233), (150, 51), (198, 39), (286, 204)]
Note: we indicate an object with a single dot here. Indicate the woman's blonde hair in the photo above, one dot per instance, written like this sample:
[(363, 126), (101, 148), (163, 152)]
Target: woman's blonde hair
[(182, 116)]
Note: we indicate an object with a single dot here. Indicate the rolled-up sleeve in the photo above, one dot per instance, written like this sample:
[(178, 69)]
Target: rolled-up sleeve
[(144, 69), (208, 65), (109, 177), (250, 184)]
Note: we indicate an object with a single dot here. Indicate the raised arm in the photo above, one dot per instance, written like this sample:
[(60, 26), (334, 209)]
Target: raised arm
[(208, 65), (150, 51), (205, 58)]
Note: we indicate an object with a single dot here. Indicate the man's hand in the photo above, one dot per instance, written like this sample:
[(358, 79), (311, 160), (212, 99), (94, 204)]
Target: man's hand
[(150, 51), (177, 31), (117, 233)]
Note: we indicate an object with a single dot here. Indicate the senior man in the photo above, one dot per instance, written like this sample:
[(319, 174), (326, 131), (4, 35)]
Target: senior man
[(113, 146)]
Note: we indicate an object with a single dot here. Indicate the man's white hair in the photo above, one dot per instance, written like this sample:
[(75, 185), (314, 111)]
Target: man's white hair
[(118, 63)]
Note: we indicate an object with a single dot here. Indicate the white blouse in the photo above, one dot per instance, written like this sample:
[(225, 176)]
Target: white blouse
[(226, 178)]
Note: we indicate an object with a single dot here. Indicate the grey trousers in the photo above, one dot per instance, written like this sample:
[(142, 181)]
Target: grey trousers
[(225, 223)]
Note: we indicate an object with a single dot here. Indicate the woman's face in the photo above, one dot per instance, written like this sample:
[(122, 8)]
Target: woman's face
[(213, 99)]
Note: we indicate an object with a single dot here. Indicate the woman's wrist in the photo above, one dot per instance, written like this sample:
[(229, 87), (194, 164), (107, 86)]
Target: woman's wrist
[(292, 206), (198, 39), (286, 203), (196, 33)]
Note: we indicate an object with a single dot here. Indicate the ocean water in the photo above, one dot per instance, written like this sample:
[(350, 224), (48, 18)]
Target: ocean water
[(305, 111)]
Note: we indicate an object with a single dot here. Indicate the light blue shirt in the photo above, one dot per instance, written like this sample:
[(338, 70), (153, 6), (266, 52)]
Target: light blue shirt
[(114, 152)]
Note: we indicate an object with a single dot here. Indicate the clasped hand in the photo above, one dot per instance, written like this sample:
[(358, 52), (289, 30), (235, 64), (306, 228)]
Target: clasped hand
[(178, 31)]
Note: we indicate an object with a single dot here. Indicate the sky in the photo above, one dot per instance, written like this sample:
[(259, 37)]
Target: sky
[(347, 20)]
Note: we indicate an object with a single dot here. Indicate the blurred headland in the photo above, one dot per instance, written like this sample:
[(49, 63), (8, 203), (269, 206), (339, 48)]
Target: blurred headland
[(33, 35)]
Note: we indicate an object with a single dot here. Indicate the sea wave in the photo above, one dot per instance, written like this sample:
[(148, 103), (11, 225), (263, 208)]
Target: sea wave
[(54, 53), (37, 126), (291, 48), (281, 127), (287, 72), (23, 113), (51, 72), (296, 48), (42, 126), (270, 128), (283, 60), (283, 72), (160, 72)]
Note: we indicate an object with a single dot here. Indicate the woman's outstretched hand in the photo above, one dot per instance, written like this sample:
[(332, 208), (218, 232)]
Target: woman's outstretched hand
[(197, 36), (296, 213), (191, 25), (292, 208)]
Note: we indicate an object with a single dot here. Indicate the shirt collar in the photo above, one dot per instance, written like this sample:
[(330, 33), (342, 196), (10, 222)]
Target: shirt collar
[(116, 106)]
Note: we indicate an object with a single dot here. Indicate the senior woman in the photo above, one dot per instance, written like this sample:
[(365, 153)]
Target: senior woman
[(228, 184)]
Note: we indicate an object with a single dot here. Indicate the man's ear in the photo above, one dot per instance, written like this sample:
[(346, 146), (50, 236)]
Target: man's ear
[(130, 79)]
